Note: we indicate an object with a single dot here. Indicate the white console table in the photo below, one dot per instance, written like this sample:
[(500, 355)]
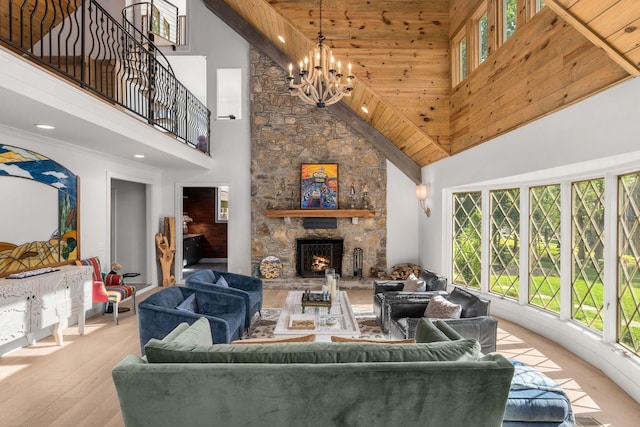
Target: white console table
[(33, 303)]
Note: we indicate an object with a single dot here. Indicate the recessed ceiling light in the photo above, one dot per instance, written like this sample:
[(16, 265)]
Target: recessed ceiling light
[(43, 126), (365, 109), (281, 39), (139, 156)]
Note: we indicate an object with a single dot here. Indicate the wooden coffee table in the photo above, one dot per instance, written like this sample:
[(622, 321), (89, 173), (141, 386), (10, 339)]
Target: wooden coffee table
[(338, 320)]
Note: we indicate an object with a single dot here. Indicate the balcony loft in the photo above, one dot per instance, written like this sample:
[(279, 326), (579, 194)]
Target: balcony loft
[(131, 102)]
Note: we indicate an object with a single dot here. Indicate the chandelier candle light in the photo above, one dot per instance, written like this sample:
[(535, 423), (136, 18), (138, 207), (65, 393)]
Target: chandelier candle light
[(320, 82)]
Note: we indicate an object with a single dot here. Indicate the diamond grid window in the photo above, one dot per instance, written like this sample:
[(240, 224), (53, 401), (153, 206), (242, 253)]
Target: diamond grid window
[(467, 218), (629, 261), (505, 242), (544, 247), (587, 289)]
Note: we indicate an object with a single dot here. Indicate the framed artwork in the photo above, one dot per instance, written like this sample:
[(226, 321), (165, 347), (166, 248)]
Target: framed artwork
[(319, 186), (39, 219)]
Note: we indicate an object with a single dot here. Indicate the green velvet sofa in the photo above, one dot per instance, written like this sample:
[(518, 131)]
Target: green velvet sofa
[(184, 380)]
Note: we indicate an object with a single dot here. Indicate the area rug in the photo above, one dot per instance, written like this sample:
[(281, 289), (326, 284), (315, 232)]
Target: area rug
[(586, 421), (262, 326)]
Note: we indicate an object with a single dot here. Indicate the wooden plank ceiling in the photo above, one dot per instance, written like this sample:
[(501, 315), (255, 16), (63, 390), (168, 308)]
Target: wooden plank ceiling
[(401, 55)]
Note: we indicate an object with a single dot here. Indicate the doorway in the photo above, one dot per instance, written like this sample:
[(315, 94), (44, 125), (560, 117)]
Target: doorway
[(128, 217), (204, 229)]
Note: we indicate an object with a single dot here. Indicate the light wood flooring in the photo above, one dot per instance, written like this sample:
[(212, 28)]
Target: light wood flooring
[(70, 385)]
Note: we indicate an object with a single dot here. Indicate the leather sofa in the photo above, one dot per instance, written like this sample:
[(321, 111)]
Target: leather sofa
[(246, 287), (474, 322), (186, 381), (434, 284), (158, 314)]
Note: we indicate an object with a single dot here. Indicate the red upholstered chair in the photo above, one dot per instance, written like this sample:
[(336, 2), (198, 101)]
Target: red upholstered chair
[(109, 289)]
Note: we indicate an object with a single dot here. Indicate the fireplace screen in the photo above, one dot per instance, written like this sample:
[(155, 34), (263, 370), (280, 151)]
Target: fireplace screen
[(314, 256)]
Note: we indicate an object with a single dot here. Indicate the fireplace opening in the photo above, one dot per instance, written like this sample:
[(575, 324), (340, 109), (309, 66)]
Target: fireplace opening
[(314, 256)]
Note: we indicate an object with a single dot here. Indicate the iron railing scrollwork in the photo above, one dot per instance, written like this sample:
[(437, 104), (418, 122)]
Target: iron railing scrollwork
[(84, 43), (154, 18)]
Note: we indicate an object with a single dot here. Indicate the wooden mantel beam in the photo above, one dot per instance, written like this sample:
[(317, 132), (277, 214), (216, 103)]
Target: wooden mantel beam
[(395, 155)]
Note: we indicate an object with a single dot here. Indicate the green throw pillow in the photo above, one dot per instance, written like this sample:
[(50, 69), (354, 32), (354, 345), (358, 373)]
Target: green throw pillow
[(177, 331), (199, 333), (426, 331), (313, 352), (448, 330)]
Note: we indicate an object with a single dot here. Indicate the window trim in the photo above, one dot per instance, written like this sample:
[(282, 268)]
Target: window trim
[(456, 63)]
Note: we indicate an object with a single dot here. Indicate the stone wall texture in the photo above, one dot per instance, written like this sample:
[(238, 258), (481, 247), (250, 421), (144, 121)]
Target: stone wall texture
[(286, 132)]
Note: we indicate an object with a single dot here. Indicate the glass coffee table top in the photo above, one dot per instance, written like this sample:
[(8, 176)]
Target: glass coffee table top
[(340, 320)]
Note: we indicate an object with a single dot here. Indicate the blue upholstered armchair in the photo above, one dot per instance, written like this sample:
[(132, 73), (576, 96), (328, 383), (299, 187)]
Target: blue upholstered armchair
[(247, 287), (160, 313)]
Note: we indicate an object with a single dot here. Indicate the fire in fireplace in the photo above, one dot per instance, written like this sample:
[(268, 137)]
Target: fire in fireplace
[(314, 256)]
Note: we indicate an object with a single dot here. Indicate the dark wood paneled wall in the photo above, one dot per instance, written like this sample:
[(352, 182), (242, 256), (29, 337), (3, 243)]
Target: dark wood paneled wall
[(200, 204)]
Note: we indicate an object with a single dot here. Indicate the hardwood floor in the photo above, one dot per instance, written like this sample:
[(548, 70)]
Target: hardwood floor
[(70, 385)]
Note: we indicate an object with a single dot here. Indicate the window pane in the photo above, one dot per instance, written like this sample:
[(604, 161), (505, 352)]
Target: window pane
[(467, 217), (484, 37), (544, 247), (229, 96), (510, 14), (505, 242), (463, 58), (539, 5), (587, 250), (629, 261)]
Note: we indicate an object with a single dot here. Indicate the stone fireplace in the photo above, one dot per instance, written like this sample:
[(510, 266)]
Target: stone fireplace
[(314, 256), (285, 133)]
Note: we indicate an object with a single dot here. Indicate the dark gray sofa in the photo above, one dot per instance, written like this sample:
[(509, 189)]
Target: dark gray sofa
[(474, 323), (434, 284)]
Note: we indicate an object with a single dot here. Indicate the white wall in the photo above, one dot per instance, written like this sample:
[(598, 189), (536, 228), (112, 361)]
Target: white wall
[(593, 138), (402, 218), (230, 139)]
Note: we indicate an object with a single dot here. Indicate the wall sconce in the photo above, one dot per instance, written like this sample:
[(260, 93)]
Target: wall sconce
[(422, 192)]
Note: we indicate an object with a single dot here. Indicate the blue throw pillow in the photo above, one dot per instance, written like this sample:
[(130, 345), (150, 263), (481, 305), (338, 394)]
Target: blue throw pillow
[(189, 304), (222, 282)]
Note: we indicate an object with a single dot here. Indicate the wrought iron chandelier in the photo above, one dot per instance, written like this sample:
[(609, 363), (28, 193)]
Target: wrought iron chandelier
[(320, 78)]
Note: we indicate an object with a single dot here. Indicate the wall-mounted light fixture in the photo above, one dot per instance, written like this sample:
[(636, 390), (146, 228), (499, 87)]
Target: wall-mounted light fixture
[(422, 192)]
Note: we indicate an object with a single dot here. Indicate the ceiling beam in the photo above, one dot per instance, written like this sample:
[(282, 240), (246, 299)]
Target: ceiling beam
[(594, 38), (237, 23)]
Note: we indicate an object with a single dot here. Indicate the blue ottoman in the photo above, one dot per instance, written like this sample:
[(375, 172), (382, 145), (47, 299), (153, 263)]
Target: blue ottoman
[(536, 400)]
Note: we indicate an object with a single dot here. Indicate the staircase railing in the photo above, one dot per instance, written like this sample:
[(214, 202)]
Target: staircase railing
[(157, 17), (82, 42)]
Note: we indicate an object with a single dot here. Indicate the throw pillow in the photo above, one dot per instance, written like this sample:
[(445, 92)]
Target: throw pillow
[(374, 340), (189, 304), (448, 330), (112, 279), (440, 308), (426, 331), (222, 282), (297, 338), (199, 333), (177, 331), (413, 284)]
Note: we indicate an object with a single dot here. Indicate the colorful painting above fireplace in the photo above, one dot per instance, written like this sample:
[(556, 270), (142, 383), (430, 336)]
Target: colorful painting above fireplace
[(319, 186)]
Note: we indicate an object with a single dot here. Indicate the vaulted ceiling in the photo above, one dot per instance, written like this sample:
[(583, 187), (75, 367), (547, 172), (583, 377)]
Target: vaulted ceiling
[(400, 51)]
